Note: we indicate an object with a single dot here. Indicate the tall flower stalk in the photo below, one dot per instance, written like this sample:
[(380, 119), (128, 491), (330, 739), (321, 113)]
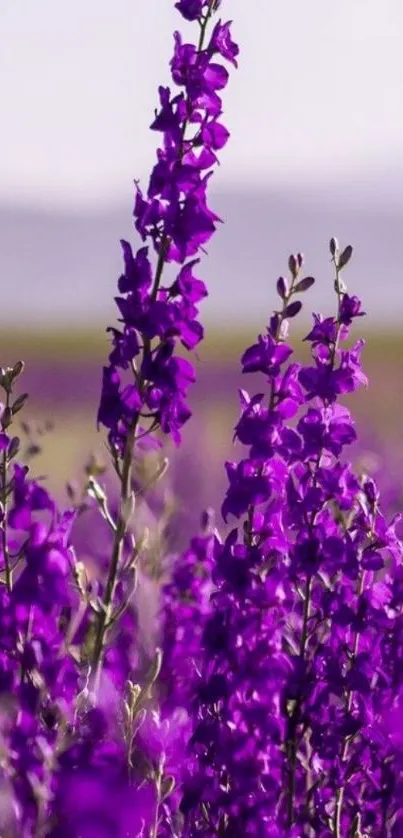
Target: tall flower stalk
[(231, 788), (289, 723), (174, 218)]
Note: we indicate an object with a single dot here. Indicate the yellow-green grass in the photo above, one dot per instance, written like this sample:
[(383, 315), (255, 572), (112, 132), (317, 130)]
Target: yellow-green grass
[(224, 343), (65, 449), (74, 436)]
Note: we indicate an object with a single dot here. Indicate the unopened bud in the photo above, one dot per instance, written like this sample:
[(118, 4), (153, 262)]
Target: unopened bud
[(293, 264), (18, 368), (6, 378), (333, 246), (19, 403), (282, 287), (304, 284), (345, 257), (13, 447)]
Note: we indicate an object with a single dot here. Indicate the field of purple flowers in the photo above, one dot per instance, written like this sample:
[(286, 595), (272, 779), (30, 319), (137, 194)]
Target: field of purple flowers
[(191, 647)]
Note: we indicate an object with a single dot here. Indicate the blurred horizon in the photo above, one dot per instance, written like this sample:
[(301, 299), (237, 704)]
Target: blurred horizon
[(315, 150), (59, 266)]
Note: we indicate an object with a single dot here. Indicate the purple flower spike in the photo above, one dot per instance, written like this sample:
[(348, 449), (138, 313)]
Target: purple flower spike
[(293, 730), (173, 217)]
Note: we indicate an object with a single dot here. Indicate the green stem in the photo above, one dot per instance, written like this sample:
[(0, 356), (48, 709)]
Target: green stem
[(4, 503), (292, 741), (121, 529), (340, 791)]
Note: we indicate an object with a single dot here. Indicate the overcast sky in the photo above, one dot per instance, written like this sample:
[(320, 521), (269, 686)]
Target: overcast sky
[(318, 94)]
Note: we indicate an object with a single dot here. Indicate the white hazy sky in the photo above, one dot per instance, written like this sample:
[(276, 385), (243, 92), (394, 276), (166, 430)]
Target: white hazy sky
[(319, 93)]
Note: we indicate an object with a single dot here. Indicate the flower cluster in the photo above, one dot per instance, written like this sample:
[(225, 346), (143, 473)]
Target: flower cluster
[(38, 677), (174, 217), (292, 735), (231, 788)]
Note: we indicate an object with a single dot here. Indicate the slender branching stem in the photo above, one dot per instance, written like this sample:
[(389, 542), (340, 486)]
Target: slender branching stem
[(4, 504), (340, 791)]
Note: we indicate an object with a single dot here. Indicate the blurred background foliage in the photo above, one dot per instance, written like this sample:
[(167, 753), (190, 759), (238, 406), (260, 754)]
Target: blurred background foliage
[(63, 375)]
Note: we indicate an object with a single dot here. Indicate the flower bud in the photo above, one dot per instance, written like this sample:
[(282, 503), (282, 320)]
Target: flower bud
[(13, 447), (345, 257), (19, 403), (294, 265), (18, 368), (333, 246), (293, 308), (282, 287), (304, 284)]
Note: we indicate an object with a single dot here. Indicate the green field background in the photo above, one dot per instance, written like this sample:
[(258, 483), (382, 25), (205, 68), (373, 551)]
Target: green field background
[(378, 409)]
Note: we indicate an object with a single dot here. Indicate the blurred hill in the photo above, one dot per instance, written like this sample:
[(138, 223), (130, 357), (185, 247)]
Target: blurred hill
[(59, 268)]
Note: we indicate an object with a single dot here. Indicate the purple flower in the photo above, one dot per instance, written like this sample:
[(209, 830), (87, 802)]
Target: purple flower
[(191, 9), (349, 309), (266, 356), (222, 43)]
